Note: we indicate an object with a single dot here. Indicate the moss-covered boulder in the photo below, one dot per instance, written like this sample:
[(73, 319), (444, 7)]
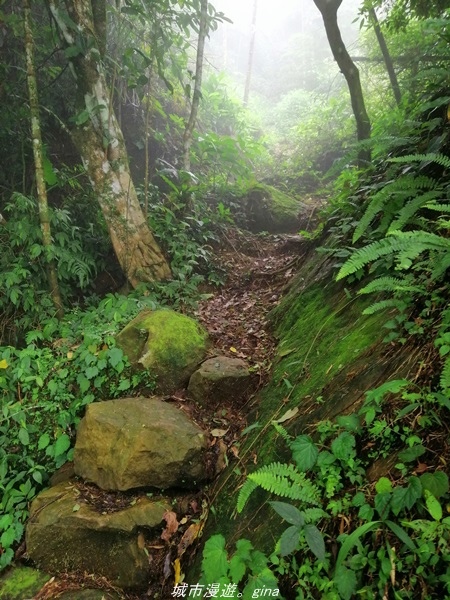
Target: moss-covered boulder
[(139, 442), (18, 583), (220, 379), (64, 533), (170, 345), (269, 209)]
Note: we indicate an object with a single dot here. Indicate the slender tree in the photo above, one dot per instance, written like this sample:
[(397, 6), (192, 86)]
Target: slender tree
[(44, 213), (385, 52), (99, 139), (251, 54), (202, 33), (328, 10)]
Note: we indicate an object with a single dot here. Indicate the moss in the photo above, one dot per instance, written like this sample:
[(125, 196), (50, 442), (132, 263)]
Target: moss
[(269, 209), (21, 582), (167, 343)]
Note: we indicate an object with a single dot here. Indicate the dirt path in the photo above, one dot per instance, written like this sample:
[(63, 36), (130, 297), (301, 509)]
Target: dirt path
[(259, 268)]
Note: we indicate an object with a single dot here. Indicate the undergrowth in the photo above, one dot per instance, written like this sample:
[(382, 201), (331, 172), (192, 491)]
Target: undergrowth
[(45, 386)]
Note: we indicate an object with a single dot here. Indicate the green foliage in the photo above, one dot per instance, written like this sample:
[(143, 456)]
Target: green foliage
[(227, 573), (24, 300), (45, 387)]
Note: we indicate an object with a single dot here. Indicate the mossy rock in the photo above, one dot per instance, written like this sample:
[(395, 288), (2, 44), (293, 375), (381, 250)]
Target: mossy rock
[(170, 345), (269, 209), (19, 583)]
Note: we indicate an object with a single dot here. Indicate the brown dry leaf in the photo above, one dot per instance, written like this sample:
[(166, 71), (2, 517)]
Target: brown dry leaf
[(421, 468), (189, 536), (172, 525)]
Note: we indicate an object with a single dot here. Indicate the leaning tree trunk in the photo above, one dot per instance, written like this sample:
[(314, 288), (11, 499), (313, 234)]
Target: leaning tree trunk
[(386, 55), (202, 33), (44, 214), (99, 140), (328, 9)]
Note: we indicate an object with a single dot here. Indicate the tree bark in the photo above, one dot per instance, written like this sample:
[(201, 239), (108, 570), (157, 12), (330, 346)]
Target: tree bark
[(202, 33), (328, 9), (386, 55), (99, 140), (44, 214)]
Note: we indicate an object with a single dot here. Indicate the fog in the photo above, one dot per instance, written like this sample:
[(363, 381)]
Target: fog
[(291, 48)]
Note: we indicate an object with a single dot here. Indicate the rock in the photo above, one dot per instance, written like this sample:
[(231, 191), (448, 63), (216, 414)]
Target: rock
[(168, 344), (139, 442), (18, 583), (219, 379), (269, 209), (64, 533), (64, 473)]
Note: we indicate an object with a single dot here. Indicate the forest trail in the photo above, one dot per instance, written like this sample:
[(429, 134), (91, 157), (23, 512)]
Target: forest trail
[(259, 267)]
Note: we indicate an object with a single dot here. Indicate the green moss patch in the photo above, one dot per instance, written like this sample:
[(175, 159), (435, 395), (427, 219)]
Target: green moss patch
[(170, 345), (19, 583)]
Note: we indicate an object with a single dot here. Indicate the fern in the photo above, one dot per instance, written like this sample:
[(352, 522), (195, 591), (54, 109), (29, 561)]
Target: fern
[(405, 187), (445, 375), (406, 213), (440, 159), (281, 479), (407, 245), (244, 494), (385, 304), (282, 431), (389, 284)]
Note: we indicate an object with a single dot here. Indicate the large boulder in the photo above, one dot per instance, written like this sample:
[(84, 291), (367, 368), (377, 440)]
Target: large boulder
[(139, 442), (64, 533), (220, 379), (269, 209), (168, 344)]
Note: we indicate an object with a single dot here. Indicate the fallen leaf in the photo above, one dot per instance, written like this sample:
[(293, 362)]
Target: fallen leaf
[(76, 508), (172, 525), (233, 349), (287, 415), (179, 576), (189, 536), (3, 364), (218, 432)]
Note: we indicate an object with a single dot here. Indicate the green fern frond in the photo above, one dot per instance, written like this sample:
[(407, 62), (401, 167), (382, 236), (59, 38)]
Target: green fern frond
[(389, 284), (287, 481), (443, 208), (406, 213), (445, 375), (440, 159), (363, 256), (383, 305), (244, 494), (282, 431), (406, 245), (405, 186)]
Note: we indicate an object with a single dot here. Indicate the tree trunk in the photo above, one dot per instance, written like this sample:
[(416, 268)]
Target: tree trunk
[(251, 54), (328, 9), (44, 215), (100, 142), (202, 33), (386, 55)]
